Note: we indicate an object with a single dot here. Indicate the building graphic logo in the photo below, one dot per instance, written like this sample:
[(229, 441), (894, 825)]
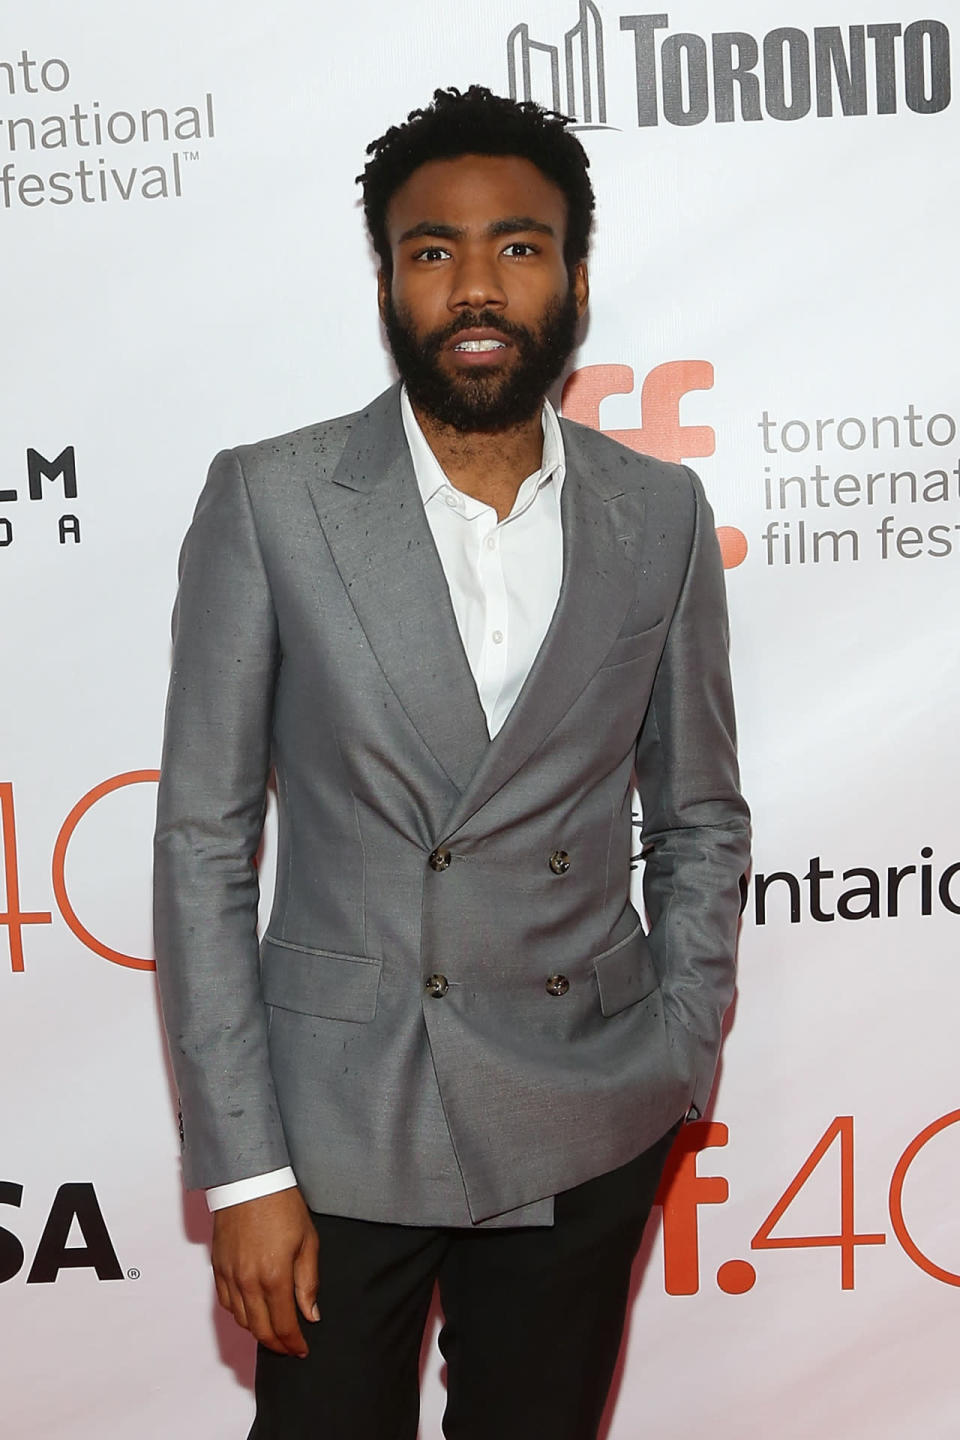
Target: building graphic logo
[(683, 78), (534, 70)]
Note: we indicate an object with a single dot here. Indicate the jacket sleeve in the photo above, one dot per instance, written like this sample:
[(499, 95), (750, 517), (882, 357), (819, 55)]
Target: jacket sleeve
[(212, 797), (695, 828)]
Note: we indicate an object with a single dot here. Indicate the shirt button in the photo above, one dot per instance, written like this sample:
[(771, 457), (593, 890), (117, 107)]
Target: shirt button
[(440, 859), (452, 501), (557, 985), (497, 637), (559, 862), (436, 986), (491, 542)]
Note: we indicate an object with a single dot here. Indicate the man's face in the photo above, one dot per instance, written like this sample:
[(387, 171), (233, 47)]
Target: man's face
[(480, 311)]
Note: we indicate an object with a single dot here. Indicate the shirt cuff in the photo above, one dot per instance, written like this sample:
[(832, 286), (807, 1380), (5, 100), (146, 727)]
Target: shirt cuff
[(220, 1196)]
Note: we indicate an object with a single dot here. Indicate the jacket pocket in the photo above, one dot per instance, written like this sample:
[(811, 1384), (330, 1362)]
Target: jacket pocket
[(626, 973), (635, 647), (318, 982)]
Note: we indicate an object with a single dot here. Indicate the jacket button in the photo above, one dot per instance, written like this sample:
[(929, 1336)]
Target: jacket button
[(440, 859), (436, 986), (559, 862), (557, 985)]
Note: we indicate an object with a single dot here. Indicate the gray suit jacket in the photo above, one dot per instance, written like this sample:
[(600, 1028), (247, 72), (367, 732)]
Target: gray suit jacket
[(314, 636)]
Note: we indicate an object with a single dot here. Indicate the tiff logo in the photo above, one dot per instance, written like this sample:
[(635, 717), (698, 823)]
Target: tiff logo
[(661, 432), (534, 70)]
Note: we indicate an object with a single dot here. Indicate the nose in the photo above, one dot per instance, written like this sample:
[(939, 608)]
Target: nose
[(476, 284)]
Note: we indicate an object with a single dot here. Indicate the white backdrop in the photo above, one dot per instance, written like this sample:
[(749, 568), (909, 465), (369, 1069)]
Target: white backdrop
[(209, 284)]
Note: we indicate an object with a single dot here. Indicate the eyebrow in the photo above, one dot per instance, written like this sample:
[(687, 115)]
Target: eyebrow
[(509, 225)]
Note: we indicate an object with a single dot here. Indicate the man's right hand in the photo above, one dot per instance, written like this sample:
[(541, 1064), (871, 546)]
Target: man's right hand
[(265, 1265)]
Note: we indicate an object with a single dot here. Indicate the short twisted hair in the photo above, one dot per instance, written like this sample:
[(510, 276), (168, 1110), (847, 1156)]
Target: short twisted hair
[(477, 122)]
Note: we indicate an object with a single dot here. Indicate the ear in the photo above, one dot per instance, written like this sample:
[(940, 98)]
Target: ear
[(581, 285), (383, 290)]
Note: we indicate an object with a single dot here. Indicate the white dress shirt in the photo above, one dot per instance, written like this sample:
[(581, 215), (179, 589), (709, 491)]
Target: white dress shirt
[(504, 580)]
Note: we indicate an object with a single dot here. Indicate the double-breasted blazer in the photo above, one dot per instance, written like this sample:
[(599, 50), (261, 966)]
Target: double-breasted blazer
[(455, 1011)]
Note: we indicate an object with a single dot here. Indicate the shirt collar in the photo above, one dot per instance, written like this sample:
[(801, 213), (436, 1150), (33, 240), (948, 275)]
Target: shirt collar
[(431, 477)]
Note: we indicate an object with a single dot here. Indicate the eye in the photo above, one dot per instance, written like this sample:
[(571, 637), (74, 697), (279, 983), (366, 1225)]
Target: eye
[(519, 249), (431, 253)]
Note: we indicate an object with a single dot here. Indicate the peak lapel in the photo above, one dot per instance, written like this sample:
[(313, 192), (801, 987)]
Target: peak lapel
[(600, 526), (374, 523)]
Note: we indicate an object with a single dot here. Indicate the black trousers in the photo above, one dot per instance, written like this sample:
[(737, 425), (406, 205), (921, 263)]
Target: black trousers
[(532, 1328)]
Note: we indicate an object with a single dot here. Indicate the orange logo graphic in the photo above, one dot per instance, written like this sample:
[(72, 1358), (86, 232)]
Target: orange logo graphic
[(116, 782), (15, 918), (683, 1192), (661, 433)]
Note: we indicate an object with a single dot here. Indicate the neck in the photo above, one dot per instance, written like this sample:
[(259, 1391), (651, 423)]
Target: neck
[(490, 467)]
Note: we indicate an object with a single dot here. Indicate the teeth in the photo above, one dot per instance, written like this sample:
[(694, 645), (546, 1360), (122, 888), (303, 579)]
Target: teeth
[(481, 345)]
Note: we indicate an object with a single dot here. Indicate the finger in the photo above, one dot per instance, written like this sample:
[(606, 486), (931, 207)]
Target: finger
[(283, 1318), (223, 1291), (273, 1334), (305, 1279), (260, 1326), (237, 1307)]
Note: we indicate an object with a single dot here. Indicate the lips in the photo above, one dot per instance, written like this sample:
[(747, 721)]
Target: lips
[(478, 346)]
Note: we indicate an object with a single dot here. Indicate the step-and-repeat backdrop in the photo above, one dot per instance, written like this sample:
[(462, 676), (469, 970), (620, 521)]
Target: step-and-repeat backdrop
[(774, 301)]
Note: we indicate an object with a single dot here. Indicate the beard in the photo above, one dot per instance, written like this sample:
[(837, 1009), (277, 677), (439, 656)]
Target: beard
[(488, 400)]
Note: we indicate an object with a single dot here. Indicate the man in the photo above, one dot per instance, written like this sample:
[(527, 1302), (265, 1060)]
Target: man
[(452, 626)]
